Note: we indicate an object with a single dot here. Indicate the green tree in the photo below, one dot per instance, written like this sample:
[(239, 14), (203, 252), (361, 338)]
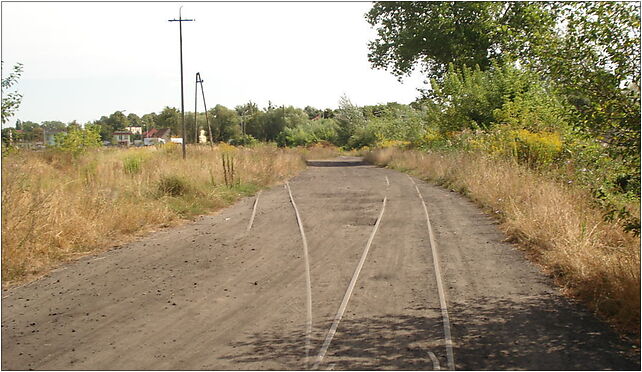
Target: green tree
[(255, 125), (474, 99), (10, 99), (170, 117), (53, 124), (349, 118), (249, 108), (308, 133), (277, 119), (148, 120), (74, 125), (32, 131), (589, 50), (394, 121), (246, 113), (134, 120), (595, 61), (118, 120), (312, 112), (434, 34), (78, 140), (225, 123), (106, 130)]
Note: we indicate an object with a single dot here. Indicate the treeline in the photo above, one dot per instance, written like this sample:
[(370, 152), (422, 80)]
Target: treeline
[(244, 123)]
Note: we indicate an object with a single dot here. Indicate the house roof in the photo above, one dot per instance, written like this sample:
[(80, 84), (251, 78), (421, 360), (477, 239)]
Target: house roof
[(157, 132)]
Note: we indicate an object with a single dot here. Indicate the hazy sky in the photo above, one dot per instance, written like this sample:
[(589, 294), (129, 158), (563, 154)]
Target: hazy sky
[(84, 60)]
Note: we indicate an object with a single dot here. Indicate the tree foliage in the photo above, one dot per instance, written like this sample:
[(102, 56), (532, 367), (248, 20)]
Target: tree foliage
[(350, 119), (435, 33), (78, 140), (595, 62), (474, 99), (225, 123), (588, 51), (10, 99)]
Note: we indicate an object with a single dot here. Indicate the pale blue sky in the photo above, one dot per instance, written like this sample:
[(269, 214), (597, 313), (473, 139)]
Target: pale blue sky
[(84, 60)]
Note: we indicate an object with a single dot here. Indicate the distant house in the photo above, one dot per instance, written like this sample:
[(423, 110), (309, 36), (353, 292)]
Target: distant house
[(49, 135), (135, 130), (122, 138), (157, 135)]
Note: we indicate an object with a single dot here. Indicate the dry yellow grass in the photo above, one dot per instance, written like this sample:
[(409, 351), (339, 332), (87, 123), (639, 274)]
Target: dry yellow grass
[(595, 261), (55, 208)]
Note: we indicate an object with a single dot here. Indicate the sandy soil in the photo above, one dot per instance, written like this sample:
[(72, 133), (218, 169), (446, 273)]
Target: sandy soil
[(211, 295)]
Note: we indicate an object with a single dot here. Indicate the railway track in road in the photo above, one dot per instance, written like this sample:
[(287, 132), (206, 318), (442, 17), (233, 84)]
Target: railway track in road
[(283, 281), (318, 360)]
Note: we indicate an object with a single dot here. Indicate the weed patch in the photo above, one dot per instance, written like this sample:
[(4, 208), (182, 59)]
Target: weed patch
[(57, 207)]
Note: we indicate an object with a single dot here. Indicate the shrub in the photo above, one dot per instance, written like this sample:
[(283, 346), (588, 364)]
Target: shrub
[(244, 140), (505, 95), (532, 149), (172, 185), (536, 149), (536, 110), (362, 136), (76, 140), (310, 132), (350, 118)]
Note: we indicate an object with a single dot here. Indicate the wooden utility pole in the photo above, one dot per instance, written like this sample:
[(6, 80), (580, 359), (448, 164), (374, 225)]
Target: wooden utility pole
[(180, 21), (201, 81)]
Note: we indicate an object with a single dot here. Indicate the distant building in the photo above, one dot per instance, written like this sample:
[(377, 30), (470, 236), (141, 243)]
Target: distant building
[(49, 135), (157, 135), (122, 138), (135, 130)]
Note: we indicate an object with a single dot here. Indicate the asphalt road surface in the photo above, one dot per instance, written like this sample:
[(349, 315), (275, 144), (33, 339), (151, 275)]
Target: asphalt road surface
[(362, 291)]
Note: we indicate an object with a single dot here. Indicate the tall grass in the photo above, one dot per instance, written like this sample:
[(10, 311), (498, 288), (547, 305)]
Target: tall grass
[(593, 260), (56, 207)]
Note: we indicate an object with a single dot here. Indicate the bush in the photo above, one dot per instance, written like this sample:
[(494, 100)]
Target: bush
[(172, 185), (310, 132), (475, 99), (532, 149), (535, 110), (76, 141), (244, 140), (362, 137), (536, 149)]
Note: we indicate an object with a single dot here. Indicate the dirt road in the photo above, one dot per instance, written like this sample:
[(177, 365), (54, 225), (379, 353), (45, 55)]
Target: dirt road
[(213, 295)]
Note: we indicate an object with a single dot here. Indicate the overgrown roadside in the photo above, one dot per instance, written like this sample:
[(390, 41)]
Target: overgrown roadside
[(593, 260), (58, 207)]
